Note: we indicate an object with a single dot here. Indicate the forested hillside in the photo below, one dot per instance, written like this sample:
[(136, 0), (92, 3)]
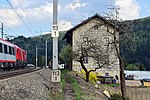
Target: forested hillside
[(141, 55), (137, 59), (29, 44)]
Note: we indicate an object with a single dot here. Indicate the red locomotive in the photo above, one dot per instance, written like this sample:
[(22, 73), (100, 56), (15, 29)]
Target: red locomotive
[(11, 56)]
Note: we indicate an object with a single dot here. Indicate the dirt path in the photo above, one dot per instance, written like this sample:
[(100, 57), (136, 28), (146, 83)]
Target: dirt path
[(68, 93)]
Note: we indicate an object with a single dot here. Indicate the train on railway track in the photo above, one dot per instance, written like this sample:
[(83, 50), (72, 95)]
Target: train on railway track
[(11, 56)]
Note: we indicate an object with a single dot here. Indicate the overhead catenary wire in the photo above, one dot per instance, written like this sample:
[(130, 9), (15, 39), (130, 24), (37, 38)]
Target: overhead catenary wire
[(20, 17), (26, 16)]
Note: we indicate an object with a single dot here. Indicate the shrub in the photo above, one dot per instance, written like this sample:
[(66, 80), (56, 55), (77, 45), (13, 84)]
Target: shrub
[(92, 77), (117, 97)]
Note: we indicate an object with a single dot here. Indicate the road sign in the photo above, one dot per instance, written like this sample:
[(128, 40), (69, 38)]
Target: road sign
[(56, 75)]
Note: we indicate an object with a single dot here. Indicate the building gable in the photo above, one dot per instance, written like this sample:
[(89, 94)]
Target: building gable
[(93, 28), (97, 17)]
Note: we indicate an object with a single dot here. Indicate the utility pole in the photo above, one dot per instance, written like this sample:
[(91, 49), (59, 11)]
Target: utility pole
[(36, 56), (2, 30), (55, 34), (46, 53)]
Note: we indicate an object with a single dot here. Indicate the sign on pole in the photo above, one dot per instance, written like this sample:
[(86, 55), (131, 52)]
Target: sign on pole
[(56, 75)]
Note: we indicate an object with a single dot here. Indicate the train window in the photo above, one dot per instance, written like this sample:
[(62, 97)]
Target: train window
[(5, 49), (1, 49), (13, 51), (10, 52)]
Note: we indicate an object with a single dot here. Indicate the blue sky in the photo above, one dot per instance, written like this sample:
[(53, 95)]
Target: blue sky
[(37, 14)]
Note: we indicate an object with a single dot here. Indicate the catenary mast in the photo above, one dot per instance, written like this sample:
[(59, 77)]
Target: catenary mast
[(55, 34)]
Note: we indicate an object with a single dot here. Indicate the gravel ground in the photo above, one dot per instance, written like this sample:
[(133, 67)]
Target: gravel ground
[(32, 86)]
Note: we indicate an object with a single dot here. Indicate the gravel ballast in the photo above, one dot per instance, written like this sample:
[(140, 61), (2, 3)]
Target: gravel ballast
[(31, 86)]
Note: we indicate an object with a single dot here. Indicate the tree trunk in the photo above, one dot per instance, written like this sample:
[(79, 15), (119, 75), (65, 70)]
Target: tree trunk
[(122, 76), (87, 76), (122, 79), (85, 69)]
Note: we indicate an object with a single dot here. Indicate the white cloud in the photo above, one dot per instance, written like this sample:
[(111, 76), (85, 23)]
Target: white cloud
[(18, 3), (9, 18), (129, 9), (64, 25), (38, 13), (76, 4)]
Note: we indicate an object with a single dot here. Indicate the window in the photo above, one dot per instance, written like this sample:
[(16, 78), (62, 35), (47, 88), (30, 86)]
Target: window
[(5, 49), (85, 60), (106, 74), (10, 52), (1, 49), (95, 27), (13, 51), (85, 40), (106, 41)]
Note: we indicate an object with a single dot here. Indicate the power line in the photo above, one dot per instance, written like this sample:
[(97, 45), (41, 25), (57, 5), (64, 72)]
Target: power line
[(19, 17), (27, 17)]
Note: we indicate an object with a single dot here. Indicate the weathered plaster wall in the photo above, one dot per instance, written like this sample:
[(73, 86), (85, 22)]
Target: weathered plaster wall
[(101, 36)]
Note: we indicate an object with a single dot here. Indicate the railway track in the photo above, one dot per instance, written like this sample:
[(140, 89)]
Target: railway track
[(10, 74)]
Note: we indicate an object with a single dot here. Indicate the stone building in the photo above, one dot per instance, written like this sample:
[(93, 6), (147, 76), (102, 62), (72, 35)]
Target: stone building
[(95, 28)]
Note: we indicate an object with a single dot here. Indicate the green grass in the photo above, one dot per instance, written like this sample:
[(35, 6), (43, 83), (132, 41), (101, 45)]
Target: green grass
[(74, 84), (113, 85), (59, 95), (76, 88)]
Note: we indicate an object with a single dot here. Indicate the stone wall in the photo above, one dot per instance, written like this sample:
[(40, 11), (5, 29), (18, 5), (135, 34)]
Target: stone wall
[(31, 86)]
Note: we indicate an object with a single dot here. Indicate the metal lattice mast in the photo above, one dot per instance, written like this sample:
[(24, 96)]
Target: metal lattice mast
[(2, 31)]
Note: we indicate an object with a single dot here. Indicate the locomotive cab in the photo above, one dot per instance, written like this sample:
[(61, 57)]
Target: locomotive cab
[(21, 59)]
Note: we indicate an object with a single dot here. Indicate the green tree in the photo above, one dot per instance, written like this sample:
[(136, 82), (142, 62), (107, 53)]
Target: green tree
[(132, 67), (135, 66), (66, 56)]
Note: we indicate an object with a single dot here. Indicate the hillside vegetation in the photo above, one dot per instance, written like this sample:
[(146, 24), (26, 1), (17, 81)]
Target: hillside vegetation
[(141, 55), (29, 44), (137, 59)]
